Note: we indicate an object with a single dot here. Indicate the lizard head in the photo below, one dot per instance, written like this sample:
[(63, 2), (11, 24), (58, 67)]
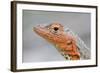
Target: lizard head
[(52, 32), (55, 34)]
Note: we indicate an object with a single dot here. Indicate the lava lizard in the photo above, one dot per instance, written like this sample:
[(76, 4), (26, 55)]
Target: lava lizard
[(65, 43)]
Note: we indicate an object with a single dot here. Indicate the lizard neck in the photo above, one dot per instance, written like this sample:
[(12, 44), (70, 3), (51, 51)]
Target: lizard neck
[(69, 52)]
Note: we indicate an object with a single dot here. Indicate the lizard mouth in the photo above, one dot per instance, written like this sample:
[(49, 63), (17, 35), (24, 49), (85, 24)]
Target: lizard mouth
[(40, 30)]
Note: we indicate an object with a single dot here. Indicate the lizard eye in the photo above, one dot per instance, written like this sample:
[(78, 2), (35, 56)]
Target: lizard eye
[(56, 28)]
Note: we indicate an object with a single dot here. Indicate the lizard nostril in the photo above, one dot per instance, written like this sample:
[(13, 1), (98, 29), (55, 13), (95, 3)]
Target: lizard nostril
[(56, 28)]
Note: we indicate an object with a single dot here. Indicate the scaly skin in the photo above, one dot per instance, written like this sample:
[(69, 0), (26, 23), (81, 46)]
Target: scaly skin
[(64, 42)]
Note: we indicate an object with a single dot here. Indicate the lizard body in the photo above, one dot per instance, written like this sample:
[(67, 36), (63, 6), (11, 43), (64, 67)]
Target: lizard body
[(64, 42)]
